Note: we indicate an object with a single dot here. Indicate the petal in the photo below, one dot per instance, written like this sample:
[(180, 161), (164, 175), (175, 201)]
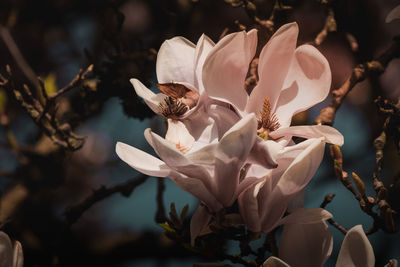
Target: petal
[(175, 61), (225, 68), (152, 100), (6, 252), (273, 66), (199, 221), (274, 262), (307, 83), (306, 216), (18, 258), (224, 118), (242, 134), (203, 48), (204, 155), (304, 166), (292, 181), (356, 250), (264, 153), (393, 14), (248, 206), (202, 127), (305, 244), (330, 134), (142, 161), (177, 160), (178, 135), (230, 158), (196, 188)]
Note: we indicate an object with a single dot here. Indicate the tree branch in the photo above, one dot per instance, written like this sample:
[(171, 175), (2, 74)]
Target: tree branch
[(73, 213), (359, 74)]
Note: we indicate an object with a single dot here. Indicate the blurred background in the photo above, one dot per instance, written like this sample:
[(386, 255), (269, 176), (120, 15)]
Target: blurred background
[(54, 39)]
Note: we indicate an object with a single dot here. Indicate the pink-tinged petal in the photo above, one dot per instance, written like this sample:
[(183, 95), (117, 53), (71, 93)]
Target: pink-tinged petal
[(307, 83), (178, 135), (6, 251), (258, 171), (177, 160), (274, 262), (229, 159), (199, 221), (243, 185), (242, 134), (272, 206), (306, 216), (248, 206), (226, 66), (356, 250), (264, 153), (329, 134), (152, 100), (224, 118), (142, 161), (273, 66), (197, 188), (292, 181), (302, 169), (203, 48), (393, 14), (305, 245), (18, 258), (175, 61), (204, 155), (202, 127)]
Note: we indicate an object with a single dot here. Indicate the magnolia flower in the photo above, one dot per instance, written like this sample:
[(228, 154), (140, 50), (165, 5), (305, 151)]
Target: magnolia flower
[(190, 113), (10, 255), (193, 118), (290, 81), (264, 202), (210, 173), (310, 245)]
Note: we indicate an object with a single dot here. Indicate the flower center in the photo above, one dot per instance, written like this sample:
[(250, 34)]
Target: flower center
[(180, 92), (267, 121), (172, 109)]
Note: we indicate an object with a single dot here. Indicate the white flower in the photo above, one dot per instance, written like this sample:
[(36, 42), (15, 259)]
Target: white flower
[(310, 245)]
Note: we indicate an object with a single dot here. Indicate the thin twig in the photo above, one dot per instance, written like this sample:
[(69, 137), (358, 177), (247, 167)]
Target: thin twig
[(19, 58), (73, 213), (359, 73), (328, 199), (329, 26)]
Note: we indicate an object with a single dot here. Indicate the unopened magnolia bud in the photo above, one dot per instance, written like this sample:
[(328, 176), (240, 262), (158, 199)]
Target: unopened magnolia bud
[(359, 184)]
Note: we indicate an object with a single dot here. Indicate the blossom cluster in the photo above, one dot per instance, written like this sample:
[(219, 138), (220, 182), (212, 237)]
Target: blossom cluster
[(224, 144)]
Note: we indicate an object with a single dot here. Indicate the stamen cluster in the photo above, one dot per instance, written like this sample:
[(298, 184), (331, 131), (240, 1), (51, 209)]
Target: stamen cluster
[(172, 109), (267, 121)]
